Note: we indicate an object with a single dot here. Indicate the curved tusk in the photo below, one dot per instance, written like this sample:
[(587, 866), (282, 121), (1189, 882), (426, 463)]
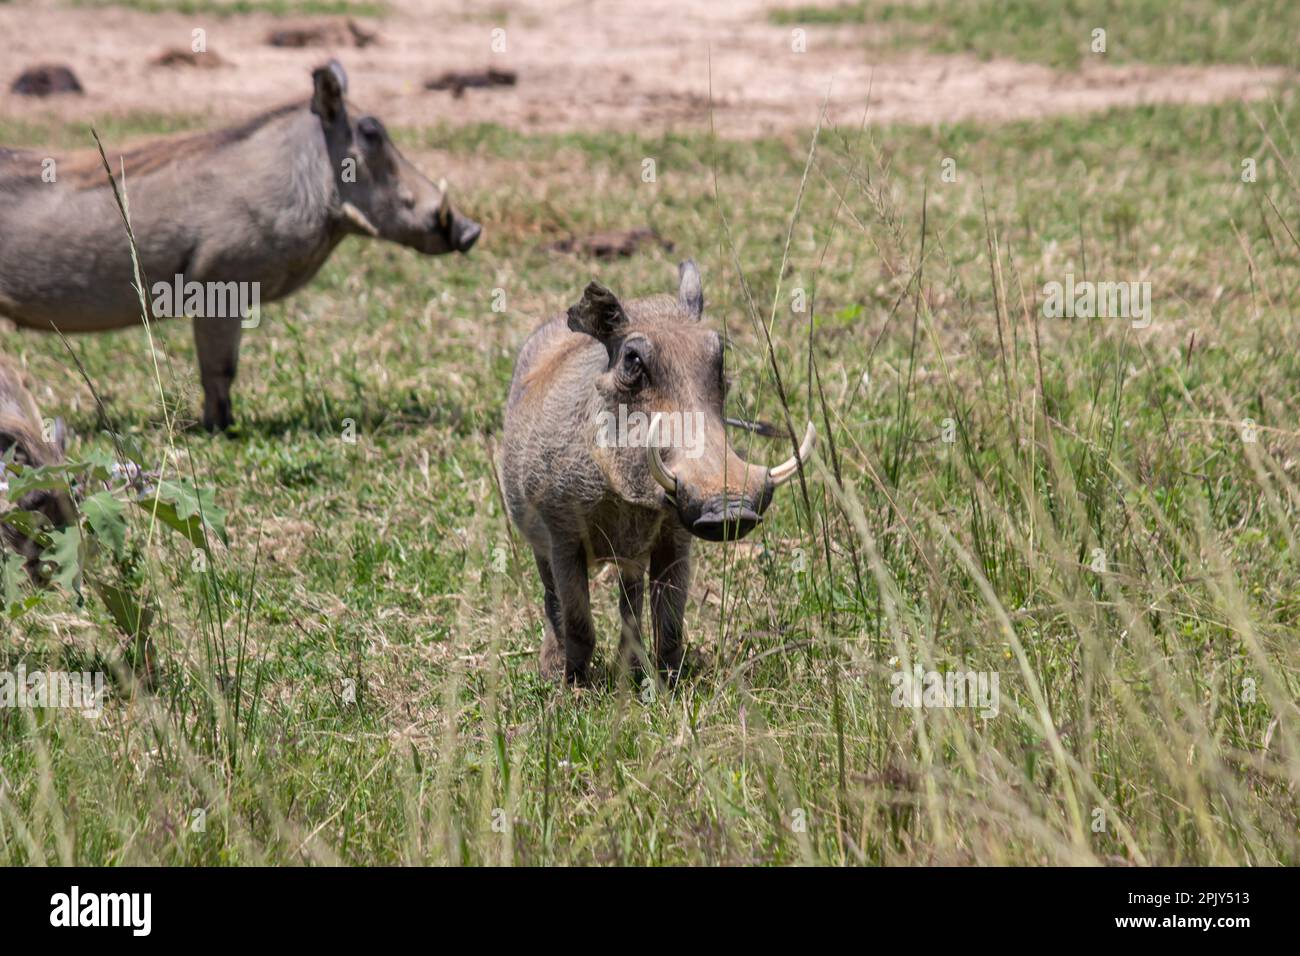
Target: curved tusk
[(665, 478), (787, 469), (358, 218), (444, 205)]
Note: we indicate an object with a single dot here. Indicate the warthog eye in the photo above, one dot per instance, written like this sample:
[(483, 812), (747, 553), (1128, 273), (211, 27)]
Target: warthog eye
[(632, 370), (371, 130)]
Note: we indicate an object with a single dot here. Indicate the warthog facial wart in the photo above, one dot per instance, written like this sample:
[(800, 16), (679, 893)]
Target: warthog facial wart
[(684, 430), (921, 688), (1098, 300)]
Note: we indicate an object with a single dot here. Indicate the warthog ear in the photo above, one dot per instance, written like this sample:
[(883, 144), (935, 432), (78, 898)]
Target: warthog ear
[(598, 313), (331, 85), (690, 290)]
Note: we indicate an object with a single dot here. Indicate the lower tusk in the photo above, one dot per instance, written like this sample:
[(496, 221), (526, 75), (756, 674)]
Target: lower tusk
[(787, 469), (358, 218), (665, 478)]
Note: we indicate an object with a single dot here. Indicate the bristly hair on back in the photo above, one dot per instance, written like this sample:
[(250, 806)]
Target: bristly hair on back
[(83, 169)]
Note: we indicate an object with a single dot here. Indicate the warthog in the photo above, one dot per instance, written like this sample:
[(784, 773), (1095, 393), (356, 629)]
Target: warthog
[(594, 395), (23, 434), (255, 207)]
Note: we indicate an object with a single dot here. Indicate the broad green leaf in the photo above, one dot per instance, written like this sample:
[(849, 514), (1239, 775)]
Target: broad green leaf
[(132, 617), (24, 478), (12, 574), (27, 523), (179, 506), (65, 552), (104, 515)]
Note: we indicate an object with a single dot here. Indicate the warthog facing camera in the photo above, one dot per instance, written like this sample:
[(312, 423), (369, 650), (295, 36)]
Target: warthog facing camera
[(259, 206), (586, 479)]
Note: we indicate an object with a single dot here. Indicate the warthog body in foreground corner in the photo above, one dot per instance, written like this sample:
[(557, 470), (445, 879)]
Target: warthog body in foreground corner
[(594, 397), (23, 432), (261, 205)]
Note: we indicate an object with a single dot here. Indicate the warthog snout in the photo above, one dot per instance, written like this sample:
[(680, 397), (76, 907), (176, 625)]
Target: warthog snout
[(722, 519), (747, 489), (445, 229), (464, 233)]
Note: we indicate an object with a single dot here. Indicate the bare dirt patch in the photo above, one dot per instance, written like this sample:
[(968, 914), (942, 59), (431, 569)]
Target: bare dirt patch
[(612, 243), (645, 65)]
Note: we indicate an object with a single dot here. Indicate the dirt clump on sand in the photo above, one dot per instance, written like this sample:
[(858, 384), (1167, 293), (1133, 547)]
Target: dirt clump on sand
[(46, 80), (612, 243), (188, 58), (330, 33), (458, 82)]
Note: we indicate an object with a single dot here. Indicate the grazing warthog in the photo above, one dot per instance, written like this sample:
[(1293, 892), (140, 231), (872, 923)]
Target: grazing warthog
[(255, 207), (23, 433), (590, 473)]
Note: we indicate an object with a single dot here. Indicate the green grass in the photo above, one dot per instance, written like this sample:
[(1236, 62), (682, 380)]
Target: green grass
[(1060, 34), (1159, 694), (112, 129)]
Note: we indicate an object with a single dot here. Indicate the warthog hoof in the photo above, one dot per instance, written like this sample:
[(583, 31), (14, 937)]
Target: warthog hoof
[(552, 660), (218, 417), (686, 663)]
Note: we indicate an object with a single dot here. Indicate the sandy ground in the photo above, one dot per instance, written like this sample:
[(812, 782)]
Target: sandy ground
[(611, 64)]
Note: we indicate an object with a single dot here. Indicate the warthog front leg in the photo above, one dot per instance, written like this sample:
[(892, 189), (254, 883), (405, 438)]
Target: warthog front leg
[(216, 340), (631, 599), (670, 579), (577, 634)]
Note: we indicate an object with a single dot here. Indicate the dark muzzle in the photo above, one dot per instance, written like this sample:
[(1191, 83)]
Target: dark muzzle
[(720, 519), (464, 233)]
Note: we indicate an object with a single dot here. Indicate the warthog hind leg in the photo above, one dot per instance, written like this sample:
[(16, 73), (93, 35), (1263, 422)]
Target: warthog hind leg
[(216, 340), (552, 663)]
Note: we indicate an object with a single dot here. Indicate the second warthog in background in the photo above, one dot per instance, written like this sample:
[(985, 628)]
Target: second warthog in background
[(260, 205)]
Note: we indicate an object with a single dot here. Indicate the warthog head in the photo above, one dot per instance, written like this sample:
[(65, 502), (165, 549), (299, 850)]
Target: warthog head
[(380, 192), (54, 506), (661, 399)]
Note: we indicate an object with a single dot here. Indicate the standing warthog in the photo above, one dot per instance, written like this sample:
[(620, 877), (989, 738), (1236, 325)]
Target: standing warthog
[(23, 433), (247, 212), (594, 396)]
